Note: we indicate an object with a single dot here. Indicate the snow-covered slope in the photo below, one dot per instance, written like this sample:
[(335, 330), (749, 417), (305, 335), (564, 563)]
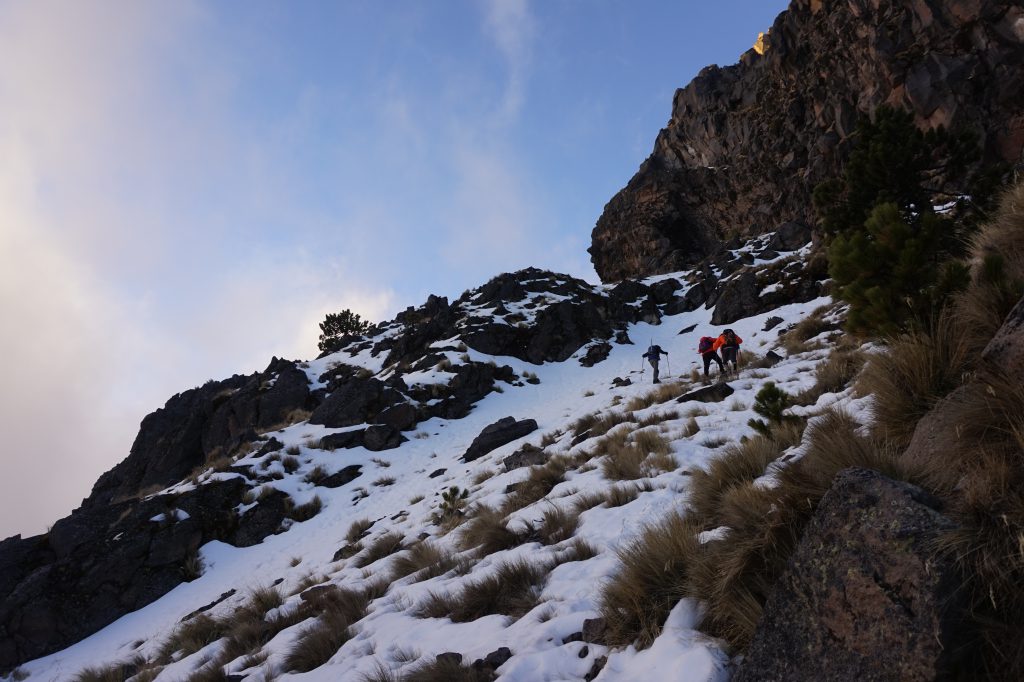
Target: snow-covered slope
[(400, 492)]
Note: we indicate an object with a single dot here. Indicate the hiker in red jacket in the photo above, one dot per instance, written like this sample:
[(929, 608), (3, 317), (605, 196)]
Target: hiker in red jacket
[(707, 353), (730, 345)]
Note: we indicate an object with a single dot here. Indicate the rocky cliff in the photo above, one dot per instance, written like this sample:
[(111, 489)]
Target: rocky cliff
[(746, 144)]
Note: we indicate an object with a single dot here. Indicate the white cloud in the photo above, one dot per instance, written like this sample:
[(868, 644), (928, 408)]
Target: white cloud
[(512, 27)]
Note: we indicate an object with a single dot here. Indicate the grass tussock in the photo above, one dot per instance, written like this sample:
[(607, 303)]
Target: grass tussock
[(513, 590), (666, 391), (358, 529), (424, 560), (639, 455), (541, 480), (913, 374), (557, 525), (443, 670), (117, 672), (488, 531), (650, 581), (317, 643), (304, 512), (832, 375), (384, 546)]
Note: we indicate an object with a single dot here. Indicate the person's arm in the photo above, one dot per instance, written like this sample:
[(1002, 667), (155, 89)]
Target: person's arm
[(718, 343), (738, 340)]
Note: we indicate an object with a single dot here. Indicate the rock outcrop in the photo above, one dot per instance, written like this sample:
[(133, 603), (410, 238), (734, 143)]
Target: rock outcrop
[(499, 433), (864, 596), (746, 144)]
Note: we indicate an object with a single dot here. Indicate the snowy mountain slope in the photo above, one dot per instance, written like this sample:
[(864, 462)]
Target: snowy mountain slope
[(400, 491)]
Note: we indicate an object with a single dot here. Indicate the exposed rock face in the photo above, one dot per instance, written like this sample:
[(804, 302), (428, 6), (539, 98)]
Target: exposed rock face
[(497, 434), (863, 597), (746, 144), (103, 562), (195, 425)]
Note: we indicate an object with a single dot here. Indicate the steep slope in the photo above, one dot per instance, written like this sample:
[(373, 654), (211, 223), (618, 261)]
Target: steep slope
[(746, 144), (303, 486)]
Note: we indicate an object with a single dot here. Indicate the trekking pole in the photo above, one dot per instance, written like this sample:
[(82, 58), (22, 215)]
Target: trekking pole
[(669, 363)]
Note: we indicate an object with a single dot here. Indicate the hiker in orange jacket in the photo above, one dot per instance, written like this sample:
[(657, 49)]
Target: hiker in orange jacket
[(730, 345)]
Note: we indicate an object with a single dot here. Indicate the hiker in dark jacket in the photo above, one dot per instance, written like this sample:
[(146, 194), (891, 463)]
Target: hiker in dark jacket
[(730, 345), (706, 348), (653, 354)]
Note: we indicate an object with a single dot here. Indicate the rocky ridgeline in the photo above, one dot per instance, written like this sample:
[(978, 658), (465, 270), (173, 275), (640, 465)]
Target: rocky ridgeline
[(746, 144), (109, 557)]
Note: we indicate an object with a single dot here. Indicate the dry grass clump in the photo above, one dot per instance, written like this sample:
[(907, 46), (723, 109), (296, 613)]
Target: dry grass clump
[(796, 339), (637, 599), (832, 375), (192, 635), (385, 545), (304, 512), (485, 475), (541, 481), (424, 559), (442, 670), (577, 550), (488, 531), (290, 464), (384, 481), (658, 418), (912, 375), (117, 672), (557, 525), (317, 643), (513, 589), (357, 529), (317, 474), (639, 455), (669, 390)]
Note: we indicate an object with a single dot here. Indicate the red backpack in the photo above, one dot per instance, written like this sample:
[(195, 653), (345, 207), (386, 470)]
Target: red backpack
[(705, 344)]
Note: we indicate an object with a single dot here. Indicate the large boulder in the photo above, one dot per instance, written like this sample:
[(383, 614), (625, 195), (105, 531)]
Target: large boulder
[(499, 433), (865, 596), (715, 393)]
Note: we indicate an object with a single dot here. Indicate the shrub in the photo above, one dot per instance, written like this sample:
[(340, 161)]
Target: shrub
[(453, 503), (832, 375), (771, 403)]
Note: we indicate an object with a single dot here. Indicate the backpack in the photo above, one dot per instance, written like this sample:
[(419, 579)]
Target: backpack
[(705, 344), (653, 352)]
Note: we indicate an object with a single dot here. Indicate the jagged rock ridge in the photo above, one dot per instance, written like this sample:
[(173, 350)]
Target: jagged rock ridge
[(746, 144)]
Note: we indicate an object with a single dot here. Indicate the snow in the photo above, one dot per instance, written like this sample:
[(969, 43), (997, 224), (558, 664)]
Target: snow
[(570, 594)]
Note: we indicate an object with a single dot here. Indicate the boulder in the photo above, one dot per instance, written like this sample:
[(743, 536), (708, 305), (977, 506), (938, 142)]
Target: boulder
[(790, 236), (342, 477), (382, 437), (262, 520), (343, 440), (497, 434), (738, 299), (596, 353), (864, 596), (400, 417), (715, 393), (528, 455)]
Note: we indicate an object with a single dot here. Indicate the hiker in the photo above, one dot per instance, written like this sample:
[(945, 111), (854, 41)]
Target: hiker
[(730, 345), (653, 354), (706, 348)]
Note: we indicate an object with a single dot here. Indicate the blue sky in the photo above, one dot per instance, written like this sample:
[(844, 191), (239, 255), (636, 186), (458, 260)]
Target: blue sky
[(186, 188)]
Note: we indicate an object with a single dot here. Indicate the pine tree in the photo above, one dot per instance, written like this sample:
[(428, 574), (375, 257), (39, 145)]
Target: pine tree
[(337, 327), (889, 252)]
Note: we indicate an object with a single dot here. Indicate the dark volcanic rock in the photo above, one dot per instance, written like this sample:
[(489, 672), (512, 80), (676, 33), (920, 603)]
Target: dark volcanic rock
[(746, 144), (864, 597), (596, 353), (340, 478), (194, 426), (714, 393), (105, 561), (497, 434), (262, 520), (526, 456), (356, 402), (343, 440), (382, 437)]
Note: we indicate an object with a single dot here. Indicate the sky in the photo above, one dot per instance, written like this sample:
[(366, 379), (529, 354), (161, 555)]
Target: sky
[(187, 188)]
